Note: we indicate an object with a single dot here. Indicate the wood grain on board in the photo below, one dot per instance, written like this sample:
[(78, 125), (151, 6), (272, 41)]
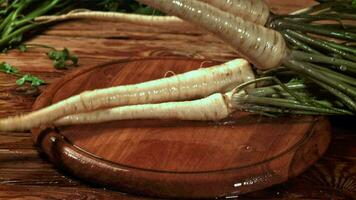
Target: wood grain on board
[(24, 174)]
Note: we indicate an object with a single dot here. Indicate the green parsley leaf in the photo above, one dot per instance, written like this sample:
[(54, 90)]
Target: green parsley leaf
[(61, 57), (34, 80), (22, 47), (7, 68)]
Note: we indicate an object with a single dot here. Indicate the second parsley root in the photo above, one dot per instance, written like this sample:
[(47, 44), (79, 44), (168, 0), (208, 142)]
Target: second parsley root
[(145, 20), (214, 107), (190, 85)]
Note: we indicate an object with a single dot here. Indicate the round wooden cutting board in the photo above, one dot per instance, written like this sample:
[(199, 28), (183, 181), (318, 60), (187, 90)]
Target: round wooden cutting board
[(177, 159)]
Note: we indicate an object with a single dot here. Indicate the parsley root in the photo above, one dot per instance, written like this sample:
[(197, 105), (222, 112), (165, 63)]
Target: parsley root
[(194, 84), (263, 47), (214, 107), (255, 11), (282, 45), (146, 20)]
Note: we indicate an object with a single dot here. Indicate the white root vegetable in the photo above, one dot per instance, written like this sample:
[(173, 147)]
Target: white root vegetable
[(255, 11), (214, 107), (190, 85), (263, 47), (145, 20)]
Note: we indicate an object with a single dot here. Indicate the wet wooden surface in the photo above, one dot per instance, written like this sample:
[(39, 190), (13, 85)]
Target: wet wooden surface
[(24, 174)]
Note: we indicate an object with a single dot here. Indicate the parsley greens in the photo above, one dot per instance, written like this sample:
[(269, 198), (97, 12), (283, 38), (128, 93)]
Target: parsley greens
[(61, 57), (34, 81), (8, 69)]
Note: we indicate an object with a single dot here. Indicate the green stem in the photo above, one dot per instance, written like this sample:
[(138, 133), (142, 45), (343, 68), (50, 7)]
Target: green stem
[(342, 47), (44, 8), (337, 17), (5, 22), (340, 25), (283, 86), (4, 41), (340, 34), (320, 44), (10, 27), (307, 70), (344, 65), (300, 44), (343, 98), (267, 109), (284, 103), (266, 91), (272, 72), (286, 95), (335, 75)]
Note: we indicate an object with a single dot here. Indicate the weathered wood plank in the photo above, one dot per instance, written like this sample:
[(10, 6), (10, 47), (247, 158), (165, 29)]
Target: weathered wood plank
[(59, 193)]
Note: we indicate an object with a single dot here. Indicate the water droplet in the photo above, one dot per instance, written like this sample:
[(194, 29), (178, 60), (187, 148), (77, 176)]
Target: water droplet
[(343, 68), (246, 147), (237, 184), (232, 197)]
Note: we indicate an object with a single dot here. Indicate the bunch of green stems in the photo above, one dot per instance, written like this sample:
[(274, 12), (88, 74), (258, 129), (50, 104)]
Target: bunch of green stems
[(297, 97), (318, 78), (322, 40), (16, 18)]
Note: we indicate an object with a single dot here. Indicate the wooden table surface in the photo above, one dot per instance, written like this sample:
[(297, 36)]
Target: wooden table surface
[(24, 174)]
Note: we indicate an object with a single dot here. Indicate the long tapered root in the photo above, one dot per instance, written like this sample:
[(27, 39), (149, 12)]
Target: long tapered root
[(190, 85), (145, 20), (255, 11), (214, 107), (263, 47)]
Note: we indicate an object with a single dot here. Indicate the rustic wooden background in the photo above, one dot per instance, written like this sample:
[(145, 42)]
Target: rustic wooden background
[(24, 174)]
